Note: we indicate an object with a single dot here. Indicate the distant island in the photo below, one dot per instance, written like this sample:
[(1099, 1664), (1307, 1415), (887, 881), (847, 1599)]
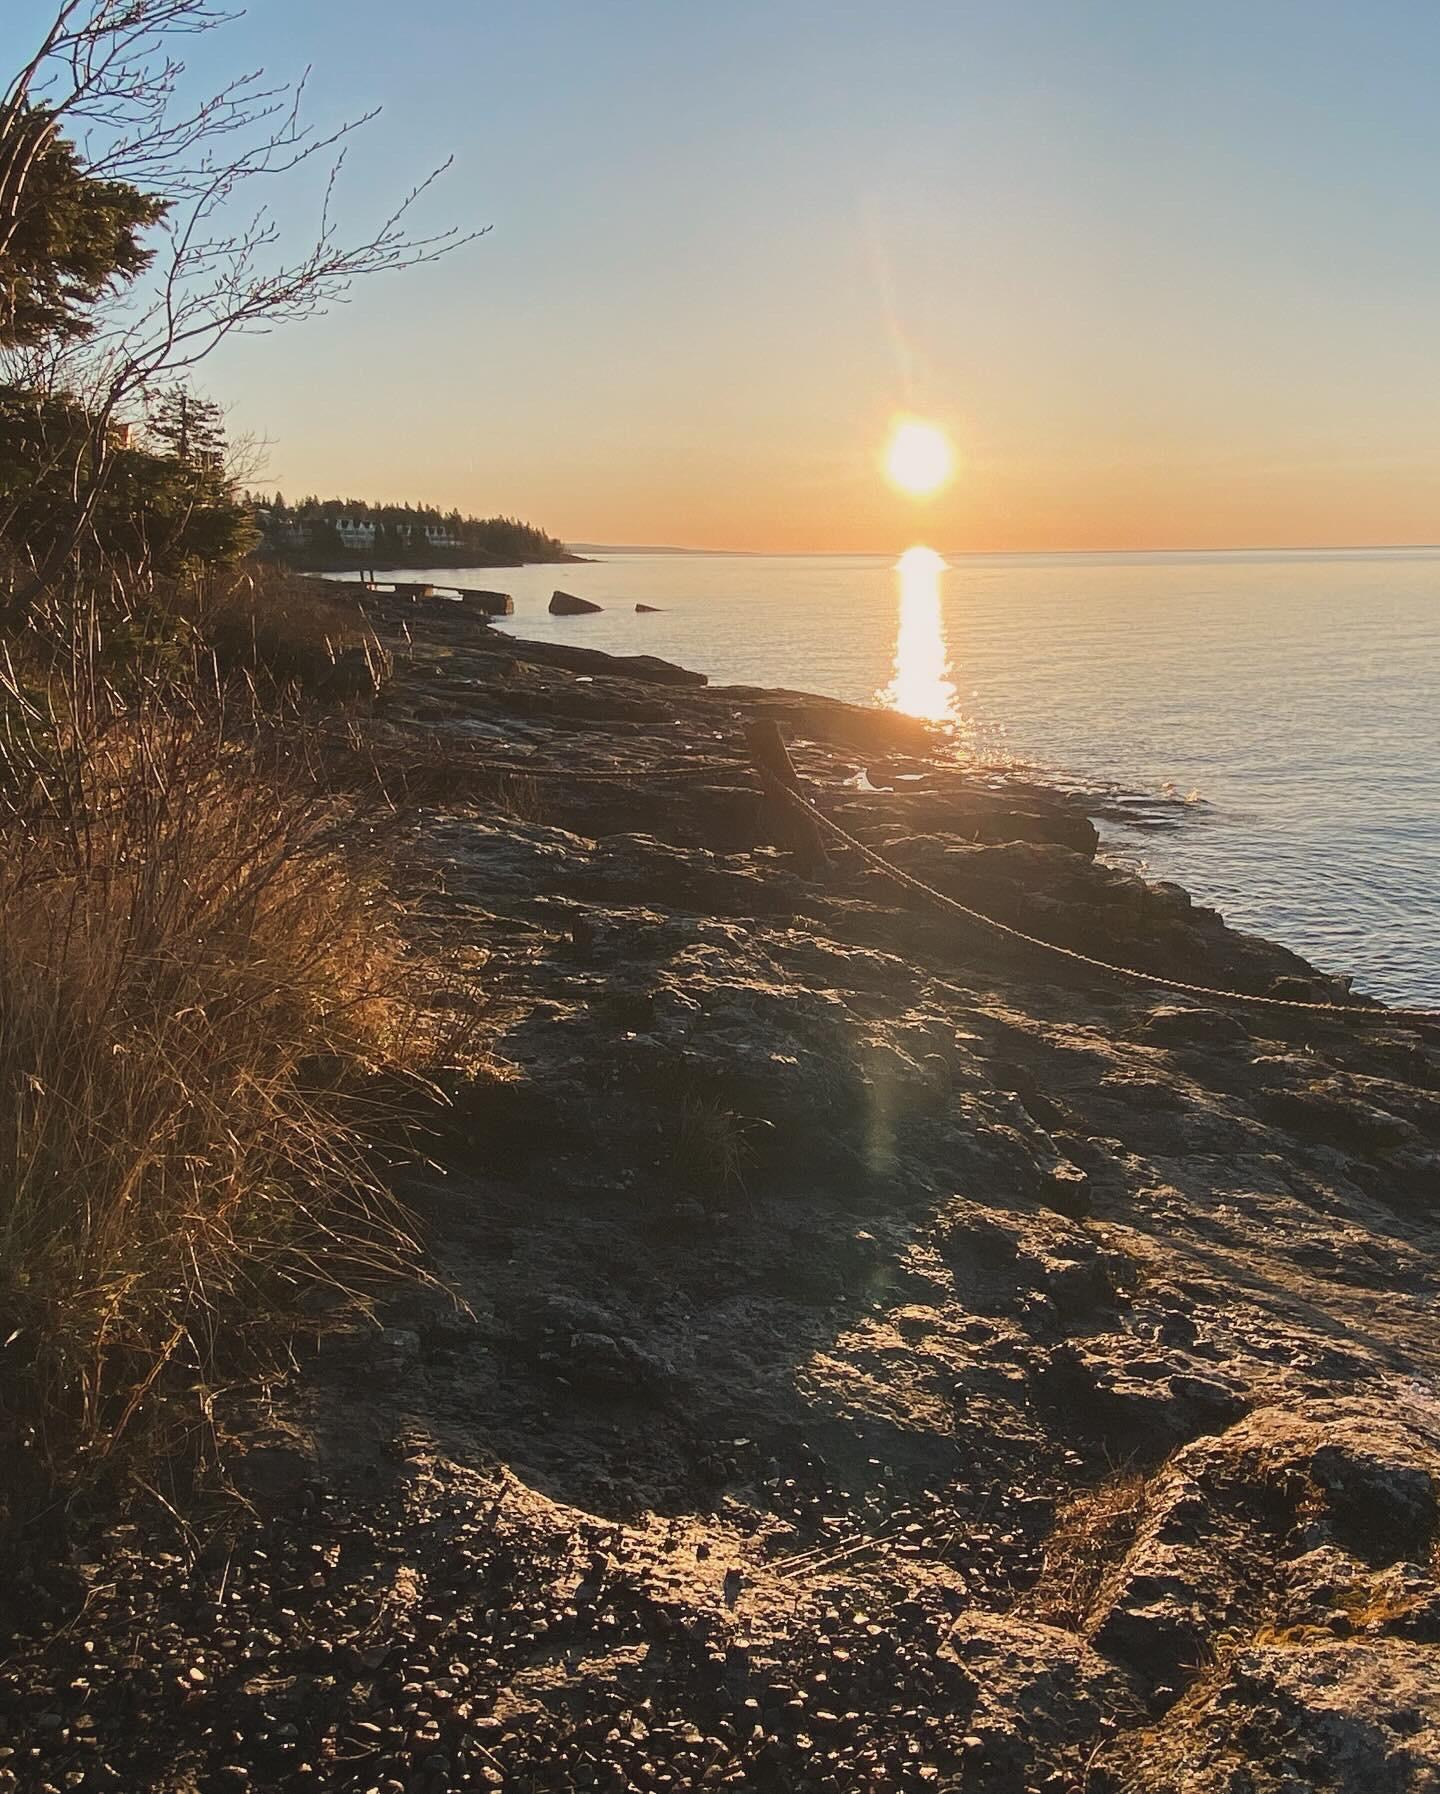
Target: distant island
[(335, 535)]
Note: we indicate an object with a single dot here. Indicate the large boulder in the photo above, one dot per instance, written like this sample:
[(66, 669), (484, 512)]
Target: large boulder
[(1039, 1694), (566, 604), (1353, 1716), (488, 604), (1355, 1478)]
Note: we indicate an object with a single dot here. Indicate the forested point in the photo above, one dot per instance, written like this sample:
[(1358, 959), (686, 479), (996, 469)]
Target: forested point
[(322, 531)]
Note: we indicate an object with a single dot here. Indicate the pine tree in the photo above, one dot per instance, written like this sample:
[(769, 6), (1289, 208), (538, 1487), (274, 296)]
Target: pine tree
[(73, 237), (190, 429)]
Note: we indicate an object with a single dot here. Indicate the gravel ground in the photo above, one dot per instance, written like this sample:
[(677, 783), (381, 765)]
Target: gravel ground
[(871, 1360)]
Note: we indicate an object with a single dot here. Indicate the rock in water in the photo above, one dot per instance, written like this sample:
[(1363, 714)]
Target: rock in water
[(566, 604), (489, 604), (651, 610)]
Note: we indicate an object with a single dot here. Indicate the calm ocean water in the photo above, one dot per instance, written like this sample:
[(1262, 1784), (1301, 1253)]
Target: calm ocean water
[(1294, 698)]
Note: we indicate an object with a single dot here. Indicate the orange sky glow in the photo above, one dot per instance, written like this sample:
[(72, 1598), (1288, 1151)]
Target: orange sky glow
[(1164, 276)]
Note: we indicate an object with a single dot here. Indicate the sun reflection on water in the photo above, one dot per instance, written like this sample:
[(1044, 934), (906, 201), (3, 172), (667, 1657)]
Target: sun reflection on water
[(921, 685)]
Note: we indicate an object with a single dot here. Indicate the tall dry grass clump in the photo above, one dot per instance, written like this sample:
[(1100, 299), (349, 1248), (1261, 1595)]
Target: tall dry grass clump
[(1092, 1532), (288, 630), (200, 982)]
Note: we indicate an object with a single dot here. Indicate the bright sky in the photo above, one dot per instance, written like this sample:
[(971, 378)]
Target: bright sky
[(1166, 271)]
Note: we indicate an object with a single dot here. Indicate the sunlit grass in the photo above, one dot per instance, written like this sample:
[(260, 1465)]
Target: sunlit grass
[(201, 983)]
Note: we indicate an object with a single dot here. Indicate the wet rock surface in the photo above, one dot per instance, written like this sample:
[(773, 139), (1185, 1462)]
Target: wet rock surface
[(875, 1356)]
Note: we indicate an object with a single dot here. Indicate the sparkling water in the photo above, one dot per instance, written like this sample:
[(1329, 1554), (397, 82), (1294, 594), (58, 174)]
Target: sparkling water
[(1292, 698)]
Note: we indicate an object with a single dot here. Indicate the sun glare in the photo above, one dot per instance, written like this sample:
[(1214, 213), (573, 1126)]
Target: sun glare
[(919, 564), (918, 458), (922, 685)]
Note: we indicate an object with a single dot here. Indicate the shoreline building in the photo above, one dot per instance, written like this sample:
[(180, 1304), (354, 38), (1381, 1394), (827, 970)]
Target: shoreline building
[(353, 535), (358, 533)]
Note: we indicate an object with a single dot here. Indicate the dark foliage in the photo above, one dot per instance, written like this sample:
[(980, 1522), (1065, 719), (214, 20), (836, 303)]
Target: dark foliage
[(73, 237), (155, 512)]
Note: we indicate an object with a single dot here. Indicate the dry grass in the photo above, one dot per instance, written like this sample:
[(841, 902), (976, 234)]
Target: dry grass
[(289, 630), (1091, 1533), (199, 986), (520, 798), (712, 1148)]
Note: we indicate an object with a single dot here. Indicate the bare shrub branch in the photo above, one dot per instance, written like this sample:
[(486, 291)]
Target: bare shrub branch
[(107, 74)]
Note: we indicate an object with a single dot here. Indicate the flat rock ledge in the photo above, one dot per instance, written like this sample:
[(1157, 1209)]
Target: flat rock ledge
[(875, 1356)]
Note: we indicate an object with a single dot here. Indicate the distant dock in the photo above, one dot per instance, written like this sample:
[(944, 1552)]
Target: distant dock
[(489, 604)]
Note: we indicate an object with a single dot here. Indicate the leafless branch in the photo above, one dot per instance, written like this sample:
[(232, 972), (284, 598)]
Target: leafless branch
[(107, 74)]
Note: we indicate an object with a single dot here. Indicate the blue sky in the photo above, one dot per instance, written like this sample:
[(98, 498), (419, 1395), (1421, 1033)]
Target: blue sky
[(1167, 273)]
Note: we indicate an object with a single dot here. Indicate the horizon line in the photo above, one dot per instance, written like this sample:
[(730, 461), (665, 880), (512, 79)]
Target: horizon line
[(876, 553)]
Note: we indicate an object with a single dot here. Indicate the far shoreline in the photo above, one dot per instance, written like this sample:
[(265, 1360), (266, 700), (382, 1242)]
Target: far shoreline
[(451, 561)]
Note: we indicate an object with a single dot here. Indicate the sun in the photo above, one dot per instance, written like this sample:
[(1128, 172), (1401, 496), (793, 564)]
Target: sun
[(918, 457)]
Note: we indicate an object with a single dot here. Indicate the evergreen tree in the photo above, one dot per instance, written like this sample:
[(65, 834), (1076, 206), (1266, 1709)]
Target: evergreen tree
[(191, 429), (155, 510), (73, 236)]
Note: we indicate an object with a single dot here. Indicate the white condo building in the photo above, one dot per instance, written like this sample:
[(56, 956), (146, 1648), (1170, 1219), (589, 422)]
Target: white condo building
[(359, 533)]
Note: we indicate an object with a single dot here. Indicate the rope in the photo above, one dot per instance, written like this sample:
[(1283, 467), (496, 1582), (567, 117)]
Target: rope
[(1361, 1012), (1349, 1011)]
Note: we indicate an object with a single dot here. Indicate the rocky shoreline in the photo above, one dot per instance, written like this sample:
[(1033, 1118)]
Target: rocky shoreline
[(863, 1354)]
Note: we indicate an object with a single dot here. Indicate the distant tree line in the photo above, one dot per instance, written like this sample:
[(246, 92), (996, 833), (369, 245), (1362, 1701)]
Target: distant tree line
[(352, 528)]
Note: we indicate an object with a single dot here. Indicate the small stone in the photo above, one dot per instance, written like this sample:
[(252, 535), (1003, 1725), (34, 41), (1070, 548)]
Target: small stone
[(1185, 1025)]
